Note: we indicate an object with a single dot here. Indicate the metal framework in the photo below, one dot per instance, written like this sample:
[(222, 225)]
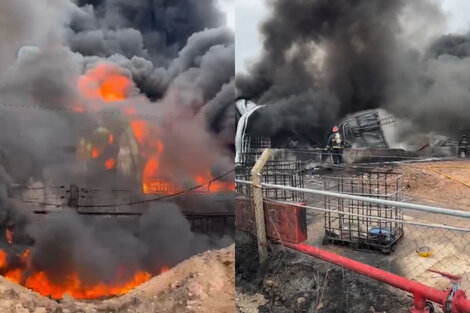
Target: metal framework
[(286, 173), (89, 203), (252, 147), (361, 224), (365, 130)]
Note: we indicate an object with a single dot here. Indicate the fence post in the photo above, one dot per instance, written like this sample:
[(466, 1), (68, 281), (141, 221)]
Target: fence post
[(258, 202), (73, 197)]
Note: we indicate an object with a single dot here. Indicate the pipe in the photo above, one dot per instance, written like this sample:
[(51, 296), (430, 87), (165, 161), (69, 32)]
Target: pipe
[(420, 292), (412, 206)]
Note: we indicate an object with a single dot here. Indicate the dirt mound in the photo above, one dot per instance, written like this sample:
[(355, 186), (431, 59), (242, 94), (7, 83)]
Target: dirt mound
[(292, 282), (204, 283)]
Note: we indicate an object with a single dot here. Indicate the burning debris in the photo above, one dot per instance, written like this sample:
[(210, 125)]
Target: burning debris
[(111, 96), (341, 57)]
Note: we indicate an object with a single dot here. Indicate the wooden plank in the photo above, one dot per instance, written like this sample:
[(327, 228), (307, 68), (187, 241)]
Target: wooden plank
[(258, 203)]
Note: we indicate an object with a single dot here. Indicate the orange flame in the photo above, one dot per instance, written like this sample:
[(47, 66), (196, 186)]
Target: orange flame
[(107, 83), (40, 282), (140, 130), (72, 284), (152, 149), (104, 82), (3, 259), (95, 153), (213, 186), (110, 164)]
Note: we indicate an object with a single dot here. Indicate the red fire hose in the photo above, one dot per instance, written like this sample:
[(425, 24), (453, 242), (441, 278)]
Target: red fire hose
[(452, 300)]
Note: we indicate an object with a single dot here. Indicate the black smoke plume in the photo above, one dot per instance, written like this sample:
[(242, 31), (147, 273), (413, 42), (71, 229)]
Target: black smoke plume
[(324, 59), (179, 57)]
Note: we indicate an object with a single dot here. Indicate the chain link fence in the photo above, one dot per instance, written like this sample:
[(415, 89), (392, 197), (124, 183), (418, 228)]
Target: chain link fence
[(400, 240)]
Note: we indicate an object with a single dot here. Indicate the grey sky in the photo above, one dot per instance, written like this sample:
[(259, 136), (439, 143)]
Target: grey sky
[(250, 13), (228, 7)]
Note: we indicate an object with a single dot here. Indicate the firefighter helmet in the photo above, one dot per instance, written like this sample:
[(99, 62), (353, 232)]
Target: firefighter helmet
[(335, 129)]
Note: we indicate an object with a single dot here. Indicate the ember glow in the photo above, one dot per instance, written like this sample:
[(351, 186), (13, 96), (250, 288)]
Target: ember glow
[(72, 285), (95, 153), (110, 164)]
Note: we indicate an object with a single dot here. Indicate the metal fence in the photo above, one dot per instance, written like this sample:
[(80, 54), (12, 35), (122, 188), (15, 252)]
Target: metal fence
[(286, 173), (430, 238), (252, 147)]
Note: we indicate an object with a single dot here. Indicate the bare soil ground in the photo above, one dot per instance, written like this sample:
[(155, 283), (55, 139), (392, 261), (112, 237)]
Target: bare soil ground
[(204, 283), (427, 186)]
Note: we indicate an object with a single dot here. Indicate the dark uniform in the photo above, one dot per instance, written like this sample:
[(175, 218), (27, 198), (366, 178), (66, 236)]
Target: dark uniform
[(463, 146), (335, 145)]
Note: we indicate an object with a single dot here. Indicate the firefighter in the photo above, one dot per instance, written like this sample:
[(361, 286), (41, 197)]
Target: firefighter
[(335, 145), (463, 146)]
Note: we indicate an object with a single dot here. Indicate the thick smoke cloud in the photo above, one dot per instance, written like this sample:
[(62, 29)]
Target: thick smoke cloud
[(27, 22), (186, 73), (96, 249), (356, 55), (180, 61), (161, 27)]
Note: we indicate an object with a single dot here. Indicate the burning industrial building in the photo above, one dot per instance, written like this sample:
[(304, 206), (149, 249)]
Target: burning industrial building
[(338, 58), (116, 139)]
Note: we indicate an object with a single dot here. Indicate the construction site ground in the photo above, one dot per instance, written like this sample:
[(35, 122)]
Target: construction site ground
[(451, 251), (205, 283), (424, 185)]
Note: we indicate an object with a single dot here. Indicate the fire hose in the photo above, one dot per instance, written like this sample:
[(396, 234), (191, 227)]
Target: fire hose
[(436, 168), (452, 300)]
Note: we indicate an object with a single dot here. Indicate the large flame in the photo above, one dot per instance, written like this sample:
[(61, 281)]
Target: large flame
[(207, 180), (72, 284), (152, 148), (104, 82)]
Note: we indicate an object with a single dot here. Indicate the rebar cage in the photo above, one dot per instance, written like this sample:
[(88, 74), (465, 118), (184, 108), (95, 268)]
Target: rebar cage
[(360, 224), (286, 173), (252, 148)]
